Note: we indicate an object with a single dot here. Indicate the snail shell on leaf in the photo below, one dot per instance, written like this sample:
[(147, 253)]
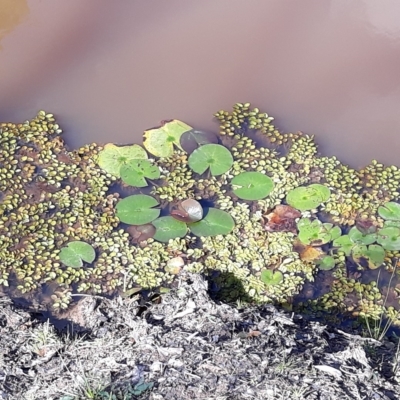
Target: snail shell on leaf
[(188, 211)]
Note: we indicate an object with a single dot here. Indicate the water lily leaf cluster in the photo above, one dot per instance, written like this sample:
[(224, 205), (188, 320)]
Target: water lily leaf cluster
[(316, 233), (369, 246)]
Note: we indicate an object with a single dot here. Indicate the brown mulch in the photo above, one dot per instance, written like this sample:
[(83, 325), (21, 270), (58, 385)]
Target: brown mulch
[(188, 347)]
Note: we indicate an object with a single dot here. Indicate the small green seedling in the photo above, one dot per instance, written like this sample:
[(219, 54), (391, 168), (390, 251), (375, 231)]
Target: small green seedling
[(270, 277), (77, 252)]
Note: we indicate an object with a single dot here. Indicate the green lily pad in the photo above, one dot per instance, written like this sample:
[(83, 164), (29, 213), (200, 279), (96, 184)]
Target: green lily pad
[(391, 223), (137, 209), (374, 254), (216, 222), (194, 138), (113, 157), (161, 140), (135, 172), (358, 237), (189, 210), (270, 277), (308, 197), (344, 243), (75, 253), (168, 228), (335, 232), (326, 263), (252, 185), (214, 156), (390, 211), (389, 238)]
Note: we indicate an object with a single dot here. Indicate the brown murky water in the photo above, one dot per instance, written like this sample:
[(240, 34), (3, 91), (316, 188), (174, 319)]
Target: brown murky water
[(110, 70)]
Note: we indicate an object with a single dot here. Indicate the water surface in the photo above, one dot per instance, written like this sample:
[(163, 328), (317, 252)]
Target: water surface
[(110, 70)]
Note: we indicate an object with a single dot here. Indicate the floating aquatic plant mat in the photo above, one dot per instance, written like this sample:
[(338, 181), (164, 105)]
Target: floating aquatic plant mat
[(258, 211)]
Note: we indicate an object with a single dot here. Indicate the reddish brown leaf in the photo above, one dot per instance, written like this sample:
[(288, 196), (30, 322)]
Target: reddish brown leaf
[(282, 219)]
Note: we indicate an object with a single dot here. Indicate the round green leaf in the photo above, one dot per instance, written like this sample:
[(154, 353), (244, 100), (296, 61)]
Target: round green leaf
[(376, 255), (214, 156), (359, 251), (344, 243), (270, 277), (194, 138), (161, 140), (137, 209), (356, 236), (75, 253), (135, 172), (168, 228), (389, 238), (327, 263), (390, 211), (335, 232), (308, 197), (113, 157), (252, 185), (216, 222)]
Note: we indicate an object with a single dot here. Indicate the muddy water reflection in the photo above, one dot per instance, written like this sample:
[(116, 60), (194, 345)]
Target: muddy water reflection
[(112, 70)]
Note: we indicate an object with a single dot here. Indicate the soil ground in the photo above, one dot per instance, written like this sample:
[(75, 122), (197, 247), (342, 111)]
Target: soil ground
[(188, 347)]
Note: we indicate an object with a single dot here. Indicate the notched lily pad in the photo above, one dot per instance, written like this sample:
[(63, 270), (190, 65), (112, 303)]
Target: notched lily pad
[(390, 211), (161, 140), (113, 157), (308, 197), (358, 237), (216, 222), (344, 243), (137, 209), (214, 156), (373, 254), (77, 252), (135, 172), (252, 185), (194, 138), (168, 228), (389, 238), (270, 277), (188, 210)]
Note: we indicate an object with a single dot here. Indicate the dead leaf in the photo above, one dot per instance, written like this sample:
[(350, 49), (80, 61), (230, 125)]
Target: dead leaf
[(282, 219)]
